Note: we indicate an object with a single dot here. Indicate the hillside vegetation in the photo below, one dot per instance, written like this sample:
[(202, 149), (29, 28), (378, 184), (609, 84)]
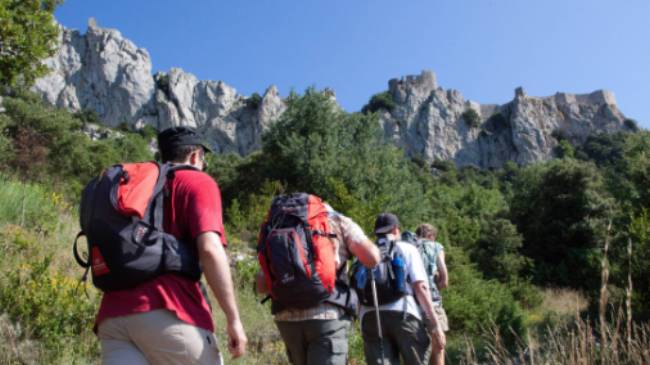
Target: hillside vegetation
[(525, 245)]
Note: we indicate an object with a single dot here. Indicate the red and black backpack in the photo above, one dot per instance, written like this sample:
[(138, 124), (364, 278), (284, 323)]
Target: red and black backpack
[(121, 215), (298, 258)]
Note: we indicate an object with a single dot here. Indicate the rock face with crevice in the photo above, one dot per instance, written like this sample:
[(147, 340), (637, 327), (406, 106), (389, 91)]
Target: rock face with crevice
[(104, 72)]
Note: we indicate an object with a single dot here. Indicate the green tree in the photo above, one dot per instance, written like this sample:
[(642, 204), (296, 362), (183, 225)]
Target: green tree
[(47, 144), (319, 148), (561, 209), (497, 251), (28, 34), (379, 101)]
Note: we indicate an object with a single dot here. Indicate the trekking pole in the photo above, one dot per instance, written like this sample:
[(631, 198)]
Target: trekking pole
[(376, 303)]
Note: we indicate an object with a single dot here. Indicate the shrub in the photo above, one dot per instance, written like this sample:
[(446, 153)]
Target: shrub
[(561, 209), (379, 101), (564, 149), (48, 145), (48, 305), (631, 125), (497, 121), (474, 304), (471, 117), (254, 101)]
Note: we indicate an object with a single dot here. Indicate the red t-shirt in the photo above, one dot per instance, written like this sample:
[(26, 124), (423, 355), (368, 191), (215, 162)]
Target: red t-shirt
[(193, 207)]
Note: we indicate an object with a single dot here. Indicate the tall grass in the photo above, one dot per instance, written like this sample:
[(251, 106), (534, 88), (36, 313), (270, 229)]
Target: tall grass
[(577, 343), (29, 205)]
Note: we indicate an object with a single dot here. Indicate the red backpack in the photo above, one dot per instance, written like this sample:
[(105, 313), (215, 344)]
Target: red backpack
[(296, 253), (121, 215)]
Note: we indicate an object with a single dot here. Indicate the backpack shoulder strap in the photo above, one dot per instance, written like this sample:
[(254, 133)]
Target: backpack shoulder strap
[(156, 204)]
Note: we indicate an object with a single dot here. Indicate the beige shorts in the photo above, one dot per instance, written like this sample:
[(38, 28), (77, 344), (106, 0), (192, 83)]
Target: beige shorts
[(156, 337), (441, 316)]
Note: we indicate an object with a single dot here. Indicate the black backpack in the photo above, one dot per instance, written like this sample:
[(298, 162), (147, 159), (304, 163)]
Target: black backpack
[(121, 215), (390, 276)]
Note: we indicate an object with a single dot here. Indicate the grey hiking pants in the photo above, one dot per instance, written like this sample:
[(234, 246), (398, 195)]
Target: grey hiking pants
[(403, 335), (316, 342)]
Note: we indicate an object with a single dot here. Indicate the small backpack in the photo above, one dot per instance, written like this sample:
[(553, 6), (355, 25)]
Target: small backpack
[(295, 252), (390, 276), (121, 215), (429, 251)]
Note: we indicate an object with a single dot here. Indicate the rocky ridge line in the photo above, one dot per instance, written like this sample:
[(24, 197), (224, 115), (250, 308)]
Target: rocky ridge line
[(105, 72)]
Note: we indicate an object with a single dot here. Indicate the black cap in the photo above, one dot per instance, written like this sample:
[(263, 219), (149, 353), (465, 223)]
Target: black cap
[(385, 223), (174, 137)]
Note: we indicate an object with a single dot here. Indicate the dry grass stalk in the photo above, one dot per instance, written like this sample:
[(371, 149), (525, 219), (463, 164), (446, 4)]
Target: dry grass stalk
[(603, 298), (571, 344), (628, 297)]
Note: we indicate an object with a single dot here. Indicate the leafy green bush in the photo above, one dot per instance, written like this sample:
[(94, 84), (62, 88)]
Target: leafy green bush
[(631, 125), (254, 101), (564, 149), (48, 145), (471, 117), (48, 304), (561, 209), (497, 121), (379, 101), (473, 304), (39, 296), (497, 251)]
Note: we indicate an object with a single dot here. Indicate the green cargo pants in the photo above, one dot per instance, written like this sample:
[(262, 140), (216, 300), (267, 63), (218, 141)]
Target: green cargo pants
[(316, 342), (403, 335)]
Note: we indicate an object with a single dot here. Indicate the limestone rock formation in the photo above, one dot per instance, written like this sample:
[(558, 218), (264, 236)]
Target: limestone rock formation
[(436, 124), (104, 72), (100, 71)]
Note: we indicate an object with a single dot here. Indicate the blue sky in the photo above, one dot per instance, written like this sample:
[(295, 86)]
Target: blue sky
[(484, 48)]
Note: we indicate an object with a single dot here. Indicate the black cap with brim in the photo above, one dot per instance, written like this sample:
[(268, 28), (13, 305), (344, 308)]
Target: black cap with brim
[(175, 137), (385, 223)]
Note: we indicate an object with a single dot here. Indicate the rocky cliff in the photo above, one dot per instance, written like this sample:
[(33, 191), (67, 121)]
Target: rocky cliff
[(104, 72), (433, 123)]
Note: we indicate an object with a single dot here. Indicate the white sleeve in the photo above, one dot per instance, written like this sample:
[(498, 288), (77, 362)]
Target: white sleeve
[(415, 267)]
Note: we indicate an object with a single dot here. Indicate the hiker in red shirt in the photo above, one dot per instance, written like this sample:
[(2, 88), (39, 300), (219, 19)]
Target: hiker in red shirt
[(167, 320)]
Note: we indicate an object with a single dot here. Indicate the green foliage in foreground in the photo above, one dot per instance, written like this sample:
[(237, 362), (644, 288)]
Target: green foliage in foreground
[(36, 290)]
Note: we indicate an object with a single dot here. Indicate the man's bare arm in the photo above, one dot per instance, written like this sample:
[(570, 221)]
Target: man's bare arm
[(214, 262), (442, 279), (422, 293), (367, 253)]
